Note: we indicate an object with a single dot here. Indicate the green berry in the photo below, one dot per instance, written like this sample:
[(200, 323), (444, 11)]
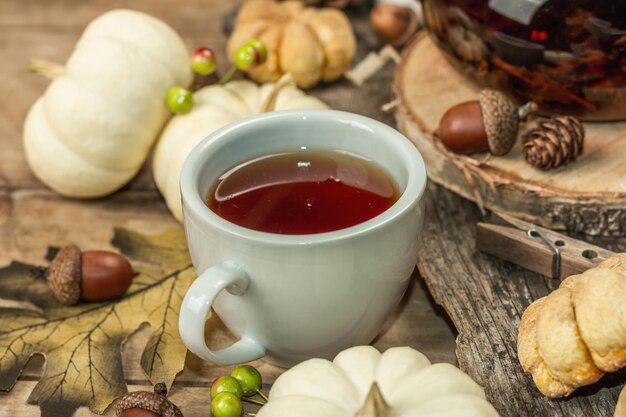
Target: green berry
[(179, 100), (260, 49), (250, 54), (226, 404), (203, 61), (244, 57), (226, 383), (249, 378)]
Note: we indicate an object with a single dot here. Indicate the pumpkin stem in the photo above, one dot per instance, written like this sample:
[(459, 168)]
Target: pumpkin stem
[(161, 389), (526, 110), (48, 69), (374, 405), (270, 101), (39, 272)]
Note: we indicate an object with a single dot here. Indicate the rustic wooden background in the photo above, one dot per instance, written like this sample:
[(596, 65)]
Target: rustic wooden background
[(484, 296)]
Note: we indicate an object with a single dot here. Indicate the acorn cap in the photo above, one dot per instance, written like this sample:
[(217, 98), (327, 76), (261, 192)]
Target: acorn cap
[(64, 275), (151, 401), (501, 118)]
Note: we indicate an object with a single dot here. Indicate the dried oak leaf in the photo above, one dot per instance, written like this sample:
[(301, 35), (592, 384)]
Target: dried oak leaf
[(82, 343)]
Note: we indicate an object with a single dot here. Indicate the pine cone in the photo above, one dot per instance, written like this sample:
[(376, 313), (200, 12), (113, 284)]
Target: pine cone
[(557, 141)]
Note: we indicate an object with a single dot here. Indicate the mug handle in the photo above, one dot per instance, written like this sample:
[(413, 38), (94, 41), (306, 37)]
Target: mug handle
[(196, 305)]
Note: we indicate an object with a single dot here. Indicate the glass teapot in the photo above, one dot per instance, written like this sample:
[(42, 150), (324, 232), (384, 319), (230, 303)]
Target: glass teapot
[(569, 56)]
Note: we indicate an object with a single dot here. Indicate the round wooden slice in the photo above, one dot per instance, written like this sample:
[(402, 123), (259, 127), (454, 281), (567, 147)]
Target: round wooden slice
[(588, 195)]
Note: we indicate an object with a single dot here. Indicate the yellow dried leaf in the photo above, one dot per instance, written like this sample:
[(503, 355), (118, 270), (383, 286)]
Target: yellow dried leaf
[(82, 343)]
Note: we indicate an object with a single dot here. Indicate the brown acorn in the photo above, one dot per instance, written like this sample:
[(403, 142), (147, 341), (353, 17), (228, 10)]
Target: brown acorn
[(90, 276), (147, 404), (393, 24), (487, 124)]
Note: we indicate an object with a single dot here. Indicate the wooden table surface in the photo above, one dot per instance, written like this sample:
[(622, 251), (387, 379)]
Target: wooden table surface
[(33, 217)]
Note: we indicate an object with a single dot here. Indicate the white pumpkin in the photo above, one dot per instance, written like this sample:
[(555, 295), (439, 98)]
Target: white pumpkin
[(91, 131), (216, 106), (362, 382)]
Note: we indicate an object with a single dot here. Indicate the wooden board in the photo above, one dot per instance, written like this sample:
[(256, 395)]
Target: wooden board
[(33, 217), (485, 298), (586, 196)]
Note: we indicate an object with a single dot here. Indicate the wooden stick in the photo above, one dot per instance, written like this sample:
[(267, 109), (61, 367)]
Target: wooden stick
[(48, 69), (270, 101), (514, 244), (371, 64)]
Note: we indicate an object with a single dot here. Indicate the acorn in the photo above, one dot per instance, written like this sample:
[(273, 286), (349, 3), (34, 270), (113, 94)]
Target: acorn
[(489, 123), (393, 24), (90, 276), (147, 404)]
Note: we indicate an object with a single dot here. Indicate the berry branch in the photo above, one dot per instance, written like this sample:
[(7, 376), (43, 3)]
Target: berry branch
[(229, 391), (204, 63)]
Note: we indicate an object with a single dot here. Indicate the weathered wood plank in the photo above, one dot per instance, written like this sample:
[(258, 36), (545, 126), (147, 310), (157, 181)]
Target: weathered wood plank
[(485, 298)]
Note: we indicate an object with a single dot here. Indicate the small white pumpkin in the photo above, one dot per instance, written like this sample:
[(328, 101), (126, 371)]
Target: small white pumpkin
[(216, 106), (362, 382), (91, 131)]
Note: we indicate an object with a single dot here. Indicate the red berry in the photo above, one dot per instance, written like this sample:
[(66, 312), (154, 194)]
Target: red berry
[(203, 61)]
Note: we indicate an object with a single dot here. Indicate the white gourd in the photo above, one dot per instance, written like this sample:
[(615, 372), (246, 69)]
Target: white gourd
[(91, 131), (362, 382), (216, 106)]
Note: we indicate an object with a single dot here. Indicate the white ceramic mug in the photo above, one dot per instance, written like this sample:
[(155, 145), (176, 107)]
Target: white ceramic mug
[(293, 297)]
